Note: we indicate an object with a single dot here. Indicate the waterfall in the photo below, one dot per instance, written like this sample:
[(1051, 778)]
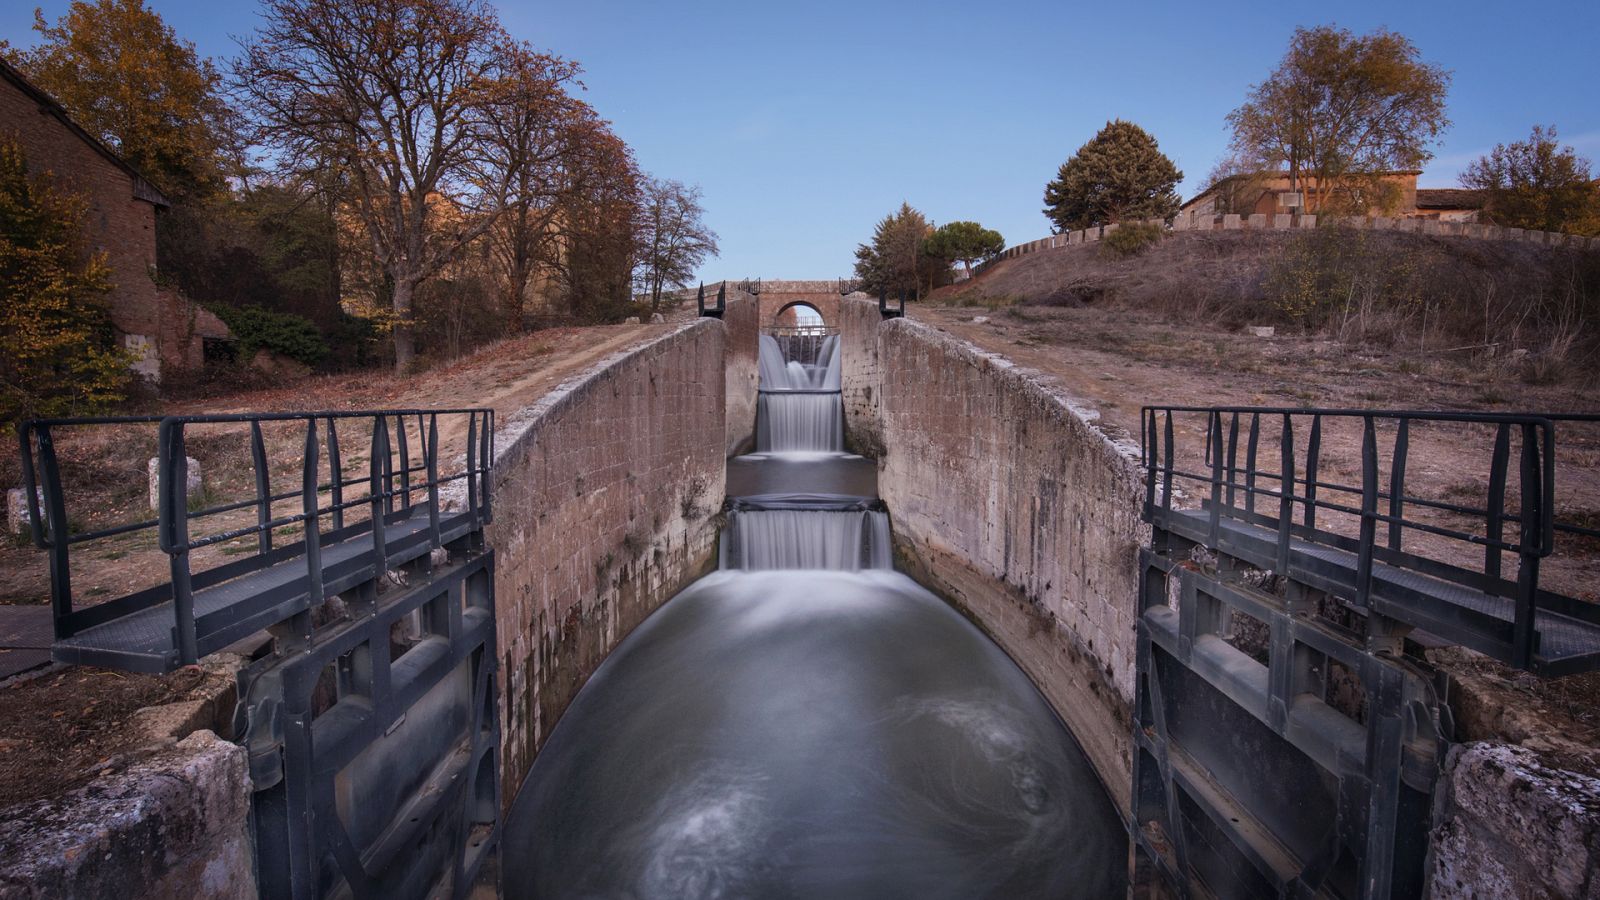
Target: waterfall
[(799, 407), (797, 531)]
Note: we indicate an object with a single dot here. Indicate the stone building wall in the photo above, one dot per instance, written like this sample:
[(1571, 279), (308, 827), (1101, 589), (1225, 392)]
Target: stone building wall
[(606, 495), (1007, 498), (160, 325)]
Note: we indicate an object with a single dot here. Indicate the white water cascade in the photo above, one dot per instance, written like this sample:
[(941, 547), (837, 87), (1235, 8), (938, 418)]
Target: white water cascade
[(848, 537), (799, 407)]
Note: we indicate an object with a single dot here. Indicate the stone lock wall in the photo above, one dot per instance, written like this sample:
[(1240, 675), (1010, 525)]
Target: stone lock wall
[(858, 372), (743, 324), (1007, 498), (606, 496)]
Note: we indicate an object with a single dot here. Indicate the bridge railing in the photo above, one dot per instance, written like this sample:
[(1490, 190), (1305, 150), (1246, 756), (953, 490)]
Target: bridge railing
[(391, 477), (1486, 525)]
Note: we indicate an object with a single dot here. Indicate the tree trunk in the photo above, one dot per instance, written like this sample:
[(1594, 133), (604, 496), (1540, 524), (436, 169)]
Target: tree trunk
[(405, 347)]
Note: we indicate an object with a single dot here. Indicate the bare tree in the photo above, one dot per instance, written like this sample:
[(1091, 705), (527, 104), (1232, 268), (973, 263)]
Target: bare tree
[(539, 134), (673, 241), (400, 95), (1339, 111)]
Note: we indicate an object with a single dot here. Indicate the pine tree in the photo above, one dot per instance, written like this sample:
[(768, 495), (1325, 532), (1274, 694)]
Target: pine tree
[(1119, 174), (897, 259), (58, 352), (964, 242)]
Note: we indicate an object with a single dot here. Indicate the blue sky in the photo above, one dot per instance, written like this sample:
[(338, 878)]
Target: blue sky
[(804, 123)]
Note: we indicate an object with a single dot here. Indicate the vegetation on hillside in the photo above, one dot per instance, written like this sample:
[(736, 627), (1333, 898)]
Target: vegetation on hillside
[(1423, 294), (504, 195), (1537, 184), (1120, 174)]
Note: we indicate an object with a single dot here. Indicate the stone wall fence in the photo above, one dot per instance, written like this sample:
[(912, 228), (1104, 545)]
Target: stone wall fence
[(1286, 222)]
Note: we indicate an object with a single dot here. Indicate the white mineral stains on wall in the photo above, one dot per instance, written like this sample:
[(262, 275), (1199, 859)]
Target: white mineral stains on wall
[(605, 498)]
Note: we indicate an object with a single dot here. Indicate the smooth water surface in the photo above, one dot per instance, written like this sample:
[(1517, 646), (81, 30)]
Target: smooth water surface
[(811, 734)]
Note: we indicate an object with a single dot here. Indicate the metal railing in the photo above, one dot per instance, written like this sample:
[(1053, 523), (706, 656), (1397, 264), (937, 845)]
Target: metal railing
[(393, 479), (1236, 470), (888, 312), (712, 312)]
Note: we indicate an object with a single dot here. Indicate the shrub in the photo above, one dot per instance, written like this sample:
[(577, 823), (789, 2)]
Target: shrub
[(285, 334), (1132, 239)]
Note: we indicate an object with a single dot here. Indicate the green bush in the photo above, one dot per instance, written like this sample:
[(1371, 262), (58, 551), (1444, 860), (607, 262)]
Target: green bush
[(285, 334), (1132, 239)]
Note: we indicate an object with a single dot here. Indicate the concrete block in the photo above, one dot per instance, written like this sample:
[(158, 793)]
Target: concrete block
[(1108, 229), (1181, 222), (1231, 222), (1090, 235), (1454, 229), (1261, 330), (1382, 223), (1474, 230), (1282, 221), (1258, 221), (195, 483), (18, 521), (1431, 226), (1512, 825), (1515, 234), (1308, 220)]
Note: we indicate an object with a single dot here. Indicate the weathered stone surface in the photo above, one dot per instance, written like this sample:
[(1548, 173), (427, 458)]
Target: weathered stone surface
[(742, 321), (173, 825), (153, 470), (1261, 330), (1009, 499), (1231, 222), (606, 495), (1258, 221), (1511, 826), (859, 377), (18, 519)]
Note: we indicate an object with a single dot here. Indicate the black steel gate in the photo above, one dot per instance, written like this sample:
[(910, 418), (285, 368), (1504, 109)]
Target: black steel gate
[(1288, 730), (370, 716)]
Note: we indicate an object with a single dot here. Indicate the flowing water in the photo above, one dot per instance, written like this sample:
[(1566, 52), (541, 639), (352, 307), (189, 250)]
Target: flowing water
[(809, 723), (799, 406)]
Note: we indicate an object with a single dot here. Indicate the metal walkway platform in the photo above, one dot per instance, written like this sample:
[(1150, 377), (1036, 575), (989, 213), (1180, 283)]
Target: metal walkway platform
[(1454, 612), (146, 640)]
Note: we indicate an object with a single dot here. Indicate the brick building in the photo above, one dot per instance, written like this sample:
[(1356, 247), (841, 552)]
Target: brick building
[(165, 329), (1269, 194)]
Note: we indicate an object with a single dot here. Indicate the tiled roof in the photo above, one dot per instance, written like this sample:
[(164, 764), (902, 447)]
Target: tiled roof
[(142, 188), (1449, 198)]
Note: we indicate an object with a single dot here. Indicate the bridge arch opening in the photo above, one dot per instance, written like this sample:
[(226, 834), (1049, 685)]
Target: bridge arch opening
[(799, 317)]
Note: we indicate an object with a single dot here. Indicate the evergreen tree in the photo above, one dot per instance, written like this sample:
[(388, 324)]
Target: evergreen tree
[(1119, 174), (58, 353), (964, 242), (897, 259)]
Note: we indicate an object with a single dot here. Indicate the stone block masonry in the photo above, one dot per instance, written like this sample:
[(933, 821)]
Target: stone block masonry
[(606, 494), (743, 324), (1008, 498), (175, 824), (859, 377)]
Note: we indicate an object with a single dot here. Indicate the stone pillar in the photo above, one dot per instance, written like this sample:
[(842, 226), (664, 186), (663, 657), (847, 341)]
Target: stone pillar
[(18, 521), (195, 483)]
